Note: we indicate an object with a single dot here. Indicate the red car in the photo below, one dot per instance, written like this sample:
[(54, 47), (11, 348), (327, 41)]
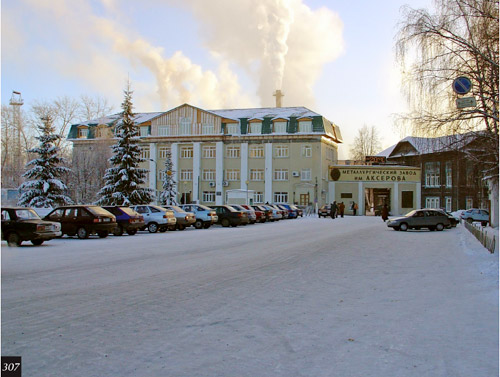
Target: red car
[(259, 214)]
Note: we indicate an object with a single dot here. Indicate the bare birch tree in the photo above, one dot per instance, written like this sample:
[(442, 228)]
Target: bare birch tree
[(459, 39), (366, 143)]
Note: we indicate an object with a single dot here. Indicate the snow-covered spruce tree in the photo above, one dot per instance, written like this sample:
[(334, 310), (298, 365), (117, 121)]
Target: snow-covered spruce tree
[(168, 194), (43, 188), (123, 179)]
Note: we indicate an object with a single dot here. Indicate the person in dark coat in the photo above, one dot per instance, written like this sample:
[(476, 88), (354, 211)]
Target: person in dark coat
[(385, 212), (341, 209), (333, 210), (354, 208)]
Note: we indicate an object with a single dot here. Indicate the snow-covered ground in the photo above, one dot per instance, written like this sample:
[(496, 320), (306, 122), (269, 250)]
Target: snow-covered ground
[(306, 297)]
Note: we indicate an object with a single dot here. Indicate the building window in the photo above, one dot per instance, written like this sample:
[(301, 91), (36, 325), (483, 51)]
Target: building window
[(432, 175), (185, 126), (279, 127), (233, 152), (256, 174), (255, 128), (102, 132), (256, 151), (186, 152), (83, 132), (208, 196), (306, 151), (305, 126), (207, 129), (407, 199), (469, 174), (432, 202), (233, 129), (258, 197), (145, 153), (208, 175), (281, 174), (144, 131), (330, 154), (232, 174), (447, 200), (208, 151), (281, 197), (163, 151), (186, 175), (305, 175), (281, 151), (448, 170), (161, 175), (469, 202)]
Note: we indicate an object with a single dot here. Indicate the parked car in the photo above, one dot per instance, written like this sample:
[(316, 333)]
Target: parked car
[(252, 217), (83, 220), (454, 221), (155, 218), (267, 211), (23, 224), (475, 214), (260, 215), (227, 215), (324, 211), (277, 213), (420, 218), (127, 220), (300, 211), (284, 213), (291, 213), (184, 219), (205, 216)]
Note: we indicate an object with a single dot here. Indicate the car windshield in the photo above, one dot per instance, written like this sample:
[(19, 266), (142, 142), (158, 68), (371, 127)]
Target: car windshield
[(26, 214), (176, 209), (99, 211), (128, 211), (411, 213), (205, 208)]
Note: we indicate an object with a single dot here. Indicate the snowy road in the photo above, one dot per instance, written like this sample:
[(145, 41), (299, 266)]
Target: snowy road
[(306, 297)]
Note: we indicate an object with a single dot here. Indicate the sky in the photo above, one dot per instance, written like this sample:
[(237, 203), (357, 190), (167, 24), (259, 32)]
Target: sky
[(334, 57)]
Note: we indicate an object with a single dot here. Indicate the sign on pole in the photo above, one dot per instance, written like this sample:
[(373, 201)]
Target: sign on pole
[(464, 102), (462, 85)]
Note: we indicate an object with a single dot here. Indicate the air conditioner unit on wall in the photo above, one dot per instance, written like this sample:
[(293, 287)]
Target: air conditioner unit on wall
[(212, 184), (295, 174), (225, 183)]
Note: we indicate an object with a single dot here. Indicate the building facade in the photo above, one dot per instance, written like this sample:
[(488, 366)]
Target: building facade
[(275, 155)]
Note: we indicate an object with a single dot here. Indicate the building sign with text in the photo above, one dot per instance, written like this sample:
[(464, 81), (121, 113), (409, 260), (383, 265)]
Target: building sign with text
[(374, 174)]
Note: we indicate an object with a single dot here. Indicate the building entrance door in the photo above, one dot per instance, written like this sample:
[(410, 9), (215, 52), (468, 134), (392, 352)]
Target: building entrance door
[(304, 199), (375, 198), (186, 198)]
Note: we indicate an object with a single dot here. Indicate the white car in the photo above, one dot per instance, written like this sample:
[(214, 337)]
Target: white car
[(475, 214), (205, 216), (156, 218)]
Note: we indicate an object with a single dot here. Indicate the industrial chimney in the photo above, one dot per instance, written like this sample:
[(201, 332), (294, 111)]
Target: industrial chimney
[(278, 96)]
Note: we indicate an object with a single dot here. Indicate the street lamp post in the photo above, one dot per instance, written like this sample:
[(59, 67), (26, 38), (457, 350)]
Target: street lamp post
[(156, 185)]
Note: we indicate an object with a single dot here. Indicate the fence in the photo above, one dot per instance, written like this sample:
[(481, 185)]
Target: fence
[(488, 240)]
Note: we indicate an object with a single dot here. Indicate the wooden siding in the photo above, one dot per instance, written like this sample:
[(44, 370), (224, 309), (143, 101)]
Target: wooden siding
[(202, 123)]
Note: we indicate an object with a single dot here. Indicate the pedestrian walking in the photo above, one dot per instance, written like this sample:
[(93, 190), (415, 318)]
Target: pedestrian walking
[(341, 209), (354, 208), (385, 212), (333, 210)]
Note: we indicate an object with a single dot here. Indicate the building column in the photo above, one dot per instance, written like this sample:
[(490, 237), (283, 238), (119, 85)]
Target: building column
[(331, 192), (153, 169), (419, 196), (196, 171), (174, 150), (361, 199), (219, 172), (395, 200), (268, 173), (244, 166)]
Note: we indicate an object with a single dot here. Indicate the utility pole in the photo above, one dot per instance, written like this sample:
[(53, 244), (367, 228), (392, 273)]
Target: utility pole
[(16, 160)]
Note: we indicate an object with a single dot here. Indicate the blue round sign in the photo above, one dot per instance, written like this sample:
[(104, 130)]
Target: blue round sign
[(462, 85)]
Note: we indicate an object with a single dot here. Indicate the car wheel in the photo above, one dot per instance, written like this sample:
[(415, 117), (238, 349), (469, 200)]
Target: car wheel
[(82, 233), (37, 242), (403, 227), (469, 220), (13, 239), (225, 222), (118, 231), (152, 227), (439, 227), (484, 223), (198, 224), (131, 232)]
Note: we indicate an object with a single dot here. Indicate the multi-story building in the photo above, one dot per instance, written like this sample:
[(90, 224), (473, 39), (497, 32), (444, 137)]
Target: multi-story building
[(258, 155), (450, 179)]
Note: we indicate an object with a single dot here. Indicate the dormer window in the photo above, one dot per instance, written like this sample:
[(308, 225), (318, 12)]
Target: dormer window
[(280, 127), (144, 131), (83, 132), (102, 132)]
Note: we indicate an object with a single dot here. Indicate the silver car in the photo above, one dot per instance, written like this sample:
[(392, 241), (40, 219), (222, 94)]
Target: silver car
[(184, 219), (420, 218), (475, 214)]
